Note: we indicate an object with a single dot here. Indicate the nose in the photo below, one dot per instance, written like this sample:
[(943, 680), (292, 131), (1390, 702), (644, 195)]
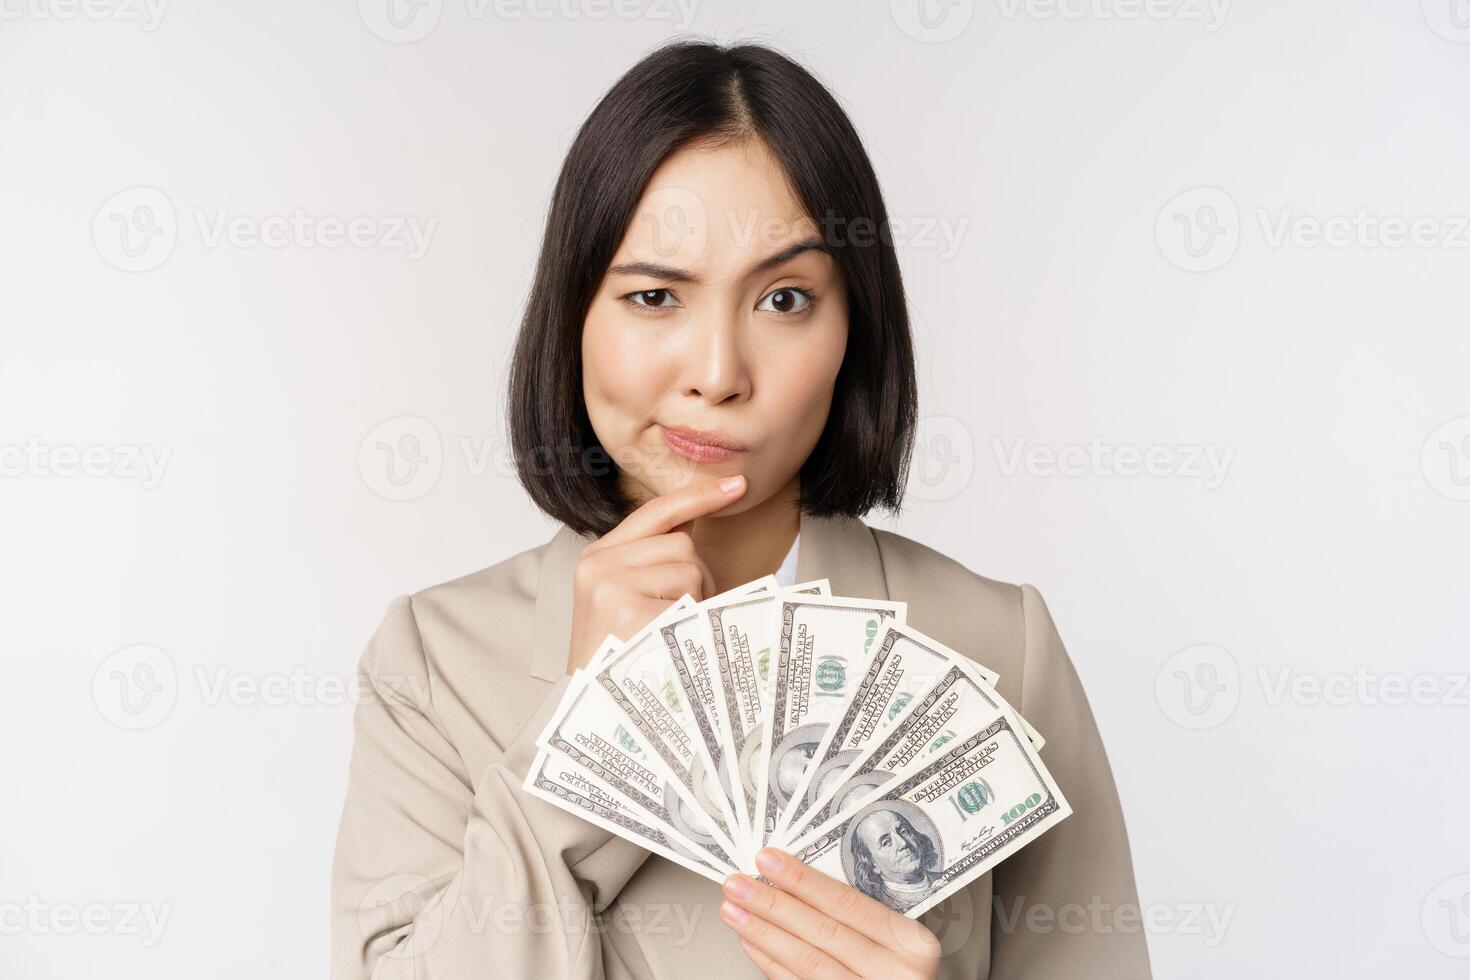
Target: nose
[(716, 368)]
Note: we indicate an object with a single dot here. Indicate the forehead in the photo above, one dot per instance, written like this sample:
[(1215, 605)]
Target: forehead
[(879, 822), (712, 210)]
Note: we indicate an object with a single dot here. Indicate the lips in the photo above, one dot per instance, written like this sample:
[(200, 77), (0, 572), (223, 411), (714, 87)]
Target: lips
[(701, 445)]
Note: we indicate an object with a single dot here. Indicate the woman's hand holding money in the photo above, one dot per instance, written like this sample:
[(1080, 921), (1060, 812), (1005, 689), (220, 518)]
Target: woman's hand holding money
[(806, 924)]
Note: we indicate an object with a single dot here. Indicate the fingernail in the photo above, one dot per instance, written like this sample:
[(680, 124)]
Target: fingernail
[(768, 861), (731, 483), (733, 914), (739, 887)]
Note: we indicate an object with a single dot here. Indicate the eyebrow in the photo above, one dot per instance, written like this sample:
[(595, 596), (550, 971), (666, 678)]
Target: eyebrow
[(667, 272)]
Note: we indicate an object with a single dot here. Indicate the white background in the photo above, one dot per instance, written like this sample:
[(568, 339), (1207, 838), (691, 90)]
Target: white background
[(1051, 144)]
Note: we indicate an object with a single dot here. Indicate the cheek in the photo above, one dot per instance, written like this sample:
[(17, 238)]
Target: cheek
[(805, 377), (621, 369)]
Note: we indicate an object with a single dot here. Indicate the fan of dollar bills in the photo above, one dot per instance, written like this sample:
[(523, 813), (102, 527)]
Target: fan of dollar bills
[(820, 724)]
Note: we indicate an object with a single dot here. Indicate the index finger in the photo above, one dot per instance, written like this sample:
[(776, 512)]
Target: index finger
[(667, 511)]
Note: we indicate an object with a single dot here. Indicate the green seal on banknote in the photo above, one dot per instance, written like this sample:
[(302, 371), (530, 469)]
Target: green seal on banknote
[(973, 796), (830, 675)]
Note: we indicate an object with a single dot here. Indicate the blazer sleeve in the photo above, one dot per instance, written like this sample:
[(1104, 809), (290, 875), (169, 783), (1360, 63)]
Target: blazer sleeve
[(444, 873), (1082, 864)]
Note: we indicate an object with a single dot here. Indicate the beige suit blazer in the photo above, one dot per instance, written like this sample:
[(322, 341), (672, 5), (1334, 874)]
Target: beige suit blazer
[(446, 868)]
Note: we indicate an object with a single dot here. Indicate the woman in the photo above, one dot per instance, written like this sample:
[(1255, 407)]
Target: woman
[(714, 380)]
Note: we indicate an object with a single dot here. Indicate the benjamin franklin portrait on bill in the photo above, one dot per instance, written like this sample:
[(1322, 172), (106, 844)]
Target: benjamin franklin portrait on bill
[(893, 860)]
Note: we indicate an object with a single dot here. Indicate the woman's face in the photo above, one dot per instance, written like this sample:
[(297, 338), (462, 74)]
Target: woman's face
[(713, 317)]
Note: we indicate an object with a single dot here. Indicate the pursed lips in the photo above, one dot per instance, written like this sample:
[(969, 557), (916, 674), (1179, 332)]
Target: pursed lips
[(701, 446)]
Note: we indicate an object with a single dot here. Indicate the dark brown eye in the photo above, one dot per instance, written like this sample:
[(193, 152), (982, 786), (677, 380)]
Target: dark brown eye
[(653, 299), (787, 300)]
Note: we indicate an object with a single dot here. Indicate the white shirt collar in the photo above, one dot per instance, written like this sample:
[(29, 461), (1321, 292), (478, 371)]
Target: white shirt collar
[(786, 574)]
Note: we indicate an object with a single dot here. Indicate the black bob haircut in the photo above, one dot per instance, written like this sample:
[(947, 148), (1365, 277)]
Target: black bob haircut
[(699, 93)]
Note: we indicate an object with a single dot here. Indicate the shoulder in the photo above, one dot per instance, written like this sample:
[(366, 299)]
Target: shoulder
[(914, 561), (504, 588), (990, 620), (485, 613)]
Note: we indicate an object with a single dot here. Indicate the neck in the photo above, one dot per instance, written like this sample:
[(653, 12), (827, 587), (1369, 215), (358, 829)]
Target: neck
[(750, 544)]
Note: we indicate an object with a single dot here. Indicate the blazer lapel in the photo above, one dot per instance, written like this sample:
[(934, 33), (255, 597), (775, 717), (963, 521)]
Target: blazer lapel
[(839, 549)]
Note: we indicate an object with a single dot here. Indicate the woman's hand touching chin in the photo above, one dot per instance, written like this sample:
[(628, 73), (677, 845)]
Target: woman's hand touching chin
[(811, 925)]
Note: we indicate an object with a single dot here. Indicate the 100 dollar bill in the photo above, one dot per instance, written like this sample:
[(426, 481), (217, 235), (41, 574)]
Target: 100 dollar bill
[(702, 665), (642, 680), (562, 783), (823, 646), (950, 709), (905, 666), (589, 731), (930, 833)]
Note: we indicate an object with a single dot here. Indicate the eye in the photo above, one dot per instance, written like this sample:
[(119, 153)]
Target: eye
[(788, 301), (651, 299)]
